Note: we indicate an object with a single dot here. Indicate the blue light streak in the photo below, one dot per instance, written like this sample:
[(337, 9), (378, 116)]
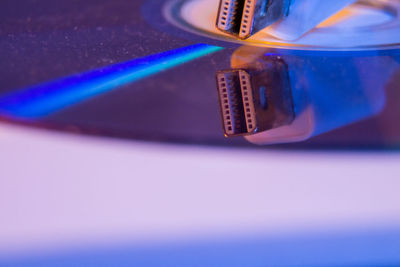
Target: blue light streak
[(44, 99)]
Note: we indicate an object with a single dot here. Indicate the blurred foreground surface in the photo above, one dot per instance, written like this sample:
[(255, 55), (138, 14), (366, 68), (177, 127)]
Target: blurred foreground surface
[(69, 200)]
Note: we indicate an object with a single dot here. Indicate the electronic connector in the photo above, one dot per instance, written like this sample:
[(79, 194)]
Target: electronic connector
[(243, 18), (257, 99)]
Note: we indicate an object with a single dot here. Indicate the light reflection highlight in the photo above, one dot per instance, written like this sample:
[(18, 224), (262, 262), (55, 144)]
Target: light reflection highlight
[(44, 99)]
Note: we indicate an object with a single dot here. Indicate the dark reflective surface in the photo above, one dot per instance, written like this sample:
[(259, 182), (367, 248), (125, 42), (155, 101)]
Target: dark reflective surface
[(341, 100)]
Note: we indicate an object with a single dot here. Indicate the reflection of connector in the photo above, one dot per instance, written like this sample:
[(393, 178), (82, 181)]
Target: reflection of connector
[(236, 108), (255, 100), (243, 18)]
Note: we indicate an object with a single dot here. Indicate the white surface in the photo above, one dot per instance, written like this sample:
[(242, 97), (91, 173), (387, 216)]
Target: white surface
[(59, 190)]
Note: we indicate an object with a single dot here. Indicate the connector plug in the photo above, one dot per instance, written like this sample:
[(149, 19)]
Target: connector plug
[(243, 18), (254, 100)]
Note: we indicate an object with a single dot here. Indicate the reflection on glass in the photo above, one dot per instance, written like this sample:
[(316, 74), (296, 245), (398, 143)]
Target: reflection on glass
[(304, 95)]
